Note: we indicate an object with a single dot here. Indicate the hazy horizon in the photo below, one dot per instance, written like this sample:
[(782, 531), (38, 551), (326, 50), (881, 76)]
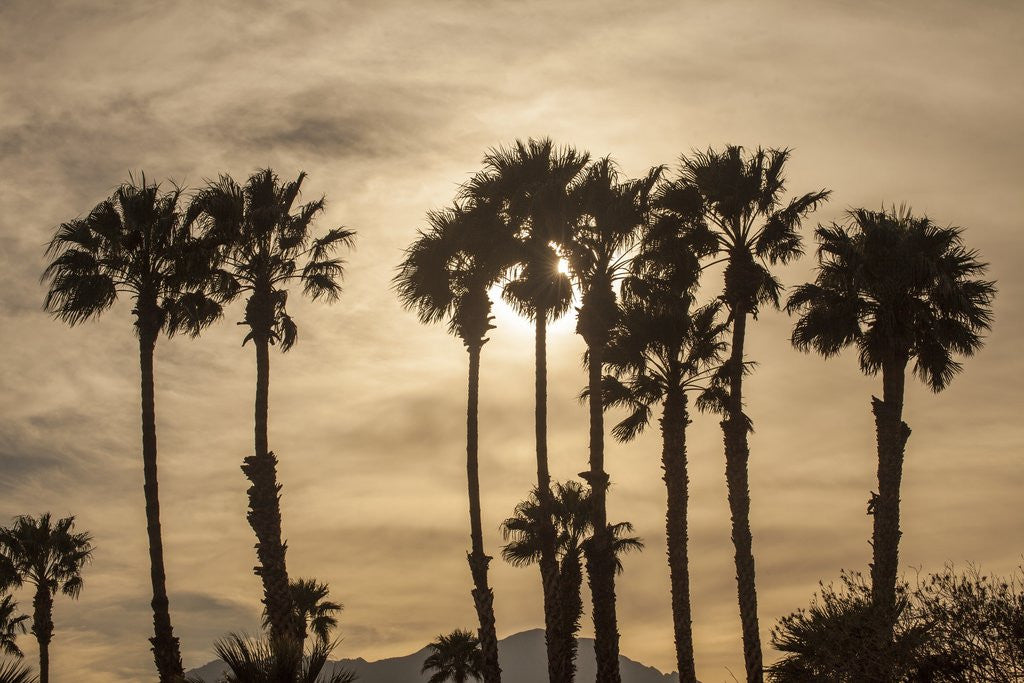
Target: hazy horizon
[(388, 108)]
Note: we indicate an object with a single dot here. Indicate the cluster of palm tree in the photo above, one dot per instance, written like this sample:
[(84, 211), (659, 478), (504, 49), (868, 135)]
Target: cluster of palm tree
[(543, 227), (896, 286), (49, 556), (181, 260), (572, 515)]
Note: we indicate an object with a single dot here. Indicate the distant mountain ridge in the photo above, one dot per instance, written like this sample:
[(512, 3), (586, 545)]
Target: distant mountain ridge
[(522, 658)]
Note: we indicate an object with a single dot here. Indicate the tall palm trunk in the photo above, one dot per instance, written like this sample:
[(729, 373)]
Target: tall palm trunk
[(601, 557), (166, 652), (483, 596), (42, 627), (265, 508), (737, 454), (553, 636), (892, 434), (673, 461), (570, 582)]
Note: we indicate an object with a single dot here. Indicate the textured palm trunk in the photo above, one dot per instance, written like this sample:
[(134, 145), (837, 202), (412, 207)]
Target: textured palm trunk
[(570, 583), (483, 596), (553, 638), (265, 509), (673, 461), (601, 557), (42, 628), (737, 454), (892, 434), (166, 651)]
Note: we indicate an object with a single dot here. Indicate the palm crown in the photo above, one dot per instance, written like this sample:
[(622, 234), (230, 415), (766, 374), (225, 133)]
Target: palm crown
[(454, 657), (449, 269), (44, 553), (897, 287), (741, 196), (573, 520), (611, 213), (276, 661), (654, 350), (263, 243), (531, 183), (319, 613), (134, 242)]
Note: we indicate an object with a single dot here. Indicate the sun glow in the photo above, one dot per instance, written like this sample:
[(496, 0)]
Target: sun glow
[(563, 266)]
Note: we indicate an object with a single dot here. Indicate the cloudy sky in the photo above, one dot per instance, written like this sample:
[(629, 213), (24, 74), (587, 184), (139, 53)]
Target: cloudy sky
[(389, 106)]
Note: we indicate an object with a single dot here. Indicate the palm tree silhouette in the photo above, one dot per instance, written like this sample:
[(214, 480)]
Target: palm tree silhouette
[(14, 671), (447, 273), (136, 243), (47, 555), (530, 182), (315, 612), (265, 243), (11, 624), (573, 518), (898, 288), (454, 657), (740, 195), (270, 660), (611, 212), (660, 350)]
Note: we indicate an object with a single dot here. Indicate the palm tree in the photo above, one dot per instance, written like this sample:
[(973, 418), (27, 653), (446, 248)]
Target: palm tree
[(47, 555), (318, 614), (447, 273), (611, 212), (899, 288), (740, 195), (277, 661), (14, 671), (454, 657), (315, 612), (661, 350), (265, 244), (573, 518), (135, 243), (11, 626), (530, 182)]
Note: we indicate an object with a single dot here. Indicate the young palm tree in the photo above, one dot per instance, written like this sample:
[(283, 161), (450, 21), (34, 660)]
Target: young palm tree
[(447, 273), (265, 243), (276, 661), (136, 243), (47, 555), (611, 211), (530, 182), (573, 518), (14, 671), (899, 288), (11, 624), (741, 197), (315, 612), (454, 657)]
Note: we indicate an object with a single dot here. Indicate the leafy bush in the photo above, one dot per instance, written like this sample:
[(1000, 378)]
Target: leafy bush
[(951, 627)]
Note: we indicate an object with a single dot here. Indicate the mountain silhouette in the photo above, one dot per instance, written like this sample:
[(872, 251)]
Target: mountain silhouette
[(522, 661)]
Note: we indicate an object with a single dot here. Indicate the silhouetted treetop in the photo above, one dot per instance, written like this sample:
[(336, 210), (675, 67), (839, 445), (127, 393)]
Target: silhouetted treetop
[(896, 286), (263, 241), (136, 242)]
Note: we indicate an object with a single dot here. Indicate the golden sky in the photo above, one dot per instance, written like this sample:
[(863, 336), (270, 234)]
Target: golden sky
[(389, 106)]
